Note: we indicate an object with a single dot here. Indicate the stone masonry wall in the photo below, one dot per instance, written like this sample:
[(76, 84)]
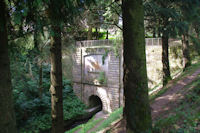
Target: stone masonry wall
[(111, 93)]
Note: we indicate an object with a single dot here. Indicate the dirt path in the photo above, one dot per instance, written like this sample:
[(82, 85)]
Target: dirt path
[(99, 115), (167, 101)]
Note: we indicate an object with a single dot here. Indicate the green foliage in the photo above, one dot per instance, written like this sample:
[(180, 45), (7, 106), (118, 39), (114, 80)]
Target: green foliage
[(187, 72), (117, 46), (102, 78), (92, 122), (74, 129), (40, 120), (84, 128), (33, 113), (176, 52), (196, 43), (72, 106), (182, 122), (186, 117), (164, 17), (105, 55), (112, 117)]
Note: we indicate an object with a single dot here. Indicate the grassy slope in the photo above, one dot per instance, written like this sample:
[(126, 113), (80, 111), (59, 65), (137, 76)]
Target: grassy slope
[(187, 72), (91, 123), (113, 117), (184, 119), (83, 128)]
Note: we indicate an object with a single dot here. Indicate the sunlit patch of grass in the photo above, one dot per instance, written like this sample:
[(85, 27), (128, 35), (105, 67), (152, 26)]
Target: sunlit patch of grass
[(113, 117), (186, 117), (74, 129), (83, 128)]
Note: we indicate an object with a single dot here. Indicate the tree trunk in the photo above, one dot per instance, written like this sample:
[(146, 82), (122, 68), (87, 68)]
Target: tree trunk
[(165, 58), (89, 36), (107, 34), (159, 34), (56, 82), (97, 33), (35, 37), (154, 32), (137, 109), (36, 52), (7, 114), (186, 52), (40, 79), (31, 71), (197, 31)]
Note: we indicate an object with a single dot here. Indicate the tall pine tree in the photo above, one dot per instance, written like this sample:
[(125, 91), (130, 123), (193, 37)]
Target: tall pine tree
[(7, 114), (137, 110)]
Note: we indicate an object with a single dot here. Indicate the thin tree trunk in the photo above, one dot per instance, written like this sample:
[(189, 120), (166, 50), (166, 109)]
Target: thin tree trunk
[(7, 113), (40, 79), (165, 59), (31, 71), (89, 36), (154, 32), (186, 52), (56, 82), (35, 36), (97, 34), (197, 31), (36, 52), (107, 34), (159, 34), (158, 29), (137, 109)]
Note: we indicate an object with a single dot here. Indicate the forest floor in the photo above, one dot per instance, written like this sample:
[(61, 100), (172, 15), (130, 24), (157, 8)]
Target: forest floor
[(169, 100)]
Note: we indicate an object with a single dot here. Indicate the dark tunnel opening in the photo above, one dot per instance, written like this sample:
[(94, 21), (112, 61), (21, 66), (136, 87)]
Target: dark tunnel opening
[(95, 101)]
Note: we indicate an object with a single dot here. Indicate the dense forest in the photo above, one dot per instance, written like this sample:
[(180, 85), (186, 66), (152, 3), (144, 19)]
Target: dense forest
[(37, 45)]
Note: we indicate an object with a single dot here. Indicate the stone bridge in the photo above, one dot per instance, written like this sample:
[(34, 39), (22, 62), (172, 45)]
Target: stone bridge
[(97, 74), (98, 71)]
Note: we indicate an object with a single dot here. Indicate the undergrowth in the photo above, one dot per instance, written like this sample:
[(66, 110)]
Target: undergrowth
[(91, 123), (187, 72), (113, 117), (186, 117), (33, 113), (83, 128), (39, 120)]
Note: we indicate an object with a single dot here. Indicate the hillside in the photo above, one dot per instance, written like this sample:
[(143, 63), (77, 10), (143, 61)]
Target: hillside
[(175, 108)]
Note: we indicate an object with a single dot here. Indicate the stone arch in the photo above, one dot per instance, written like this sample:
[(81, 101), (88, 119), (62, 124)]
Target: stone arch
[(94, 101), (102, 93)]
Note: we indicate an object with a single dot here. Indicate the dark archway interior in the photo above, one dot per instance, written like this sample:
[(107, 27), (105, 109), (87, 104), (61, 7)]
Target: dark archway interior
[(95, 101)]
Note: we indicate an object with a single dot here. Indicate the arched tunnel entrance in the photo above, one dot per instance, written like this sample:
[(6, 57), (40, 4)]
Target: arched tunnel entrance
[(95, 101)]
